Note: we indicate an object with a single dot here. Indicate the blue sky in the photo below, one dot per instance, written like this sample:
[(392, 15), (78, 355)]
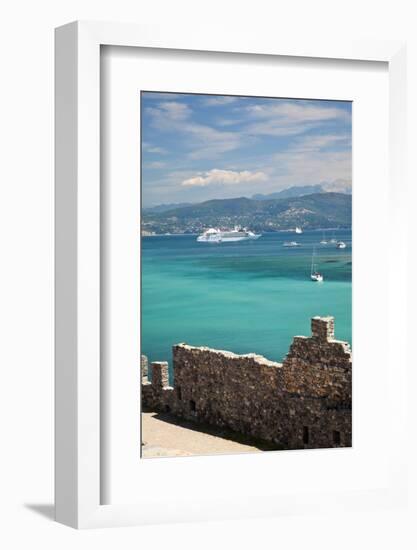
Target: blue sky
[(201, 147)]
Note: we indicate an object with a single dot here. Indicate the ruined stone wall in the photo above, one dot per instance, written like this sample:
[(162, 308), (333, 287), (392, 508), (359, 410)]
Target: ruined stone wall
[(304, 402)]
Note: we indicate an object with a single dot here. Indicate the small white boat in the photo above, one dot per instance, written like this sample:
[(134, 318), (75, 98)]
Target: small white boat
[(318, 277), (340, 244), (323, 241), (298, 230), (315, 275), (291, 244)]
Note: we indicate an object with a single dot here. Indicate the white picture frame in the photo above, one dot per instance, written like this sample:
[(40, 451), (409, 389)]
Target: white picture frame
[(78, 406)]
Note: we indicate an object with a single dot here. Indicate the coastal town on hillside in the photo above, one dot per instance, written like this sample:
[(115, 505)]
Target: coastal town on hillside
[(316, 211)]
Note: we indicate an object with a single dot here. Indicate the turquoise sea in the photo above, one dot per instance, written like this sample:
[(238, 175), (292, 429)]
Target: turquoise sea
[(251, 296)]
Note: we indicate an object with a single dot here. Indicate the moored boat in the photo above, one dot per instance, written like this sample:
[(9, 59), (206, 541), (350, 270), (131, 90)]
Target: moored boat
[(215, 235), (315, 275)]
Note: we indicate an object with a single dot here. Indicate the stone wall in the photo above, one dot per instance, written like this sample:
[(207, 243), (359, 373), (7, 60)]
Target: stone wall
[(304, 402)]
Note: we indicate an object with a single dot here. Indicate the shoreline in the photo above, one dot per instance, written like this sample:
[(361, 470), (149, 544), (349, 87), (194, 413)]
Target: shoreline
[(264, 233)]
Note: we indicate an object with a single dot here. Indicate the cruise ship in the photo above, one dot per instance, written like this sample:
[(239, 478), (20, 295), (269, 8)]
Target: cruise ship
[(214, 235)]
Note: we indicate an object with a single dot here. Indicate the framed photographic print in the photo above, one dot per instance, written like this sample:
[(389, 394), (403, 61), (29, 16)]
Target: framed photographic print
[(246, 201), (229, 331)]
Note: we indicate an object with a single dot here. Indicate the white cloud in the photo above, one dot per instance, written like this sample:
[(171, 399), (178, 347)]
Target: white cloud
[(305, 167), (155, 164), (209, 142), (226, 177), (201, 141), (283, 118), (318, 159), (289, 118), (168, 111), (295, 111), (307, 158), (227, 121), (318, 142), (215, 101), (151, 149), (163, 95)]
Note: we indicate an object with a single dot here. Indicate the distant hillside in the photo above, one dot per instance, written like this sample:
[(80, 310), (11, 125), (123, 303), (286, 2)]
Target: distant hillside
[(318, 210), (296, 191), (166, 207), (337, 186)]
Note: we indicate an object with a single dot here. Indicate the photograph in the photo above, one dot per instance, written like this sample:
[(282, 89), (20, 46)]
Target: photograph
[(246, 274), (207, 221)]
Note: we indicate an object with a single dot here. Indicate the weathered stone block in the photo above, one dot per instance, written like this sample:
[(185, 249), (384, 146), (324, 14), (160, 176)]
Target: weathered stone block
[(144, 367), (160, 377), (322, 328)]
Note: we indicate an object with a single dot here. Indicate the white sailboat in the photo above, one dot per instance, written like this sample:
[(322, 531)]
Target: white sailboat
[(341, 244), (298, 230), (315, 275)]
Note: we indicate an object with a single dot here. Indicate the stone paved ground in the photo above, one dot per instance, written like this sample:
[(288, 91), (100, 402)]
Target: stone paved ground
[(164, 436)]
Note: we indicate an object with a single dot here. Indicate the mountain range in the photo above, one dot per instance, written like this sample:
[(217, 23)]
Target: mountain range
[(295, 191), (166, 207), (337, 186), (310, 211)]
